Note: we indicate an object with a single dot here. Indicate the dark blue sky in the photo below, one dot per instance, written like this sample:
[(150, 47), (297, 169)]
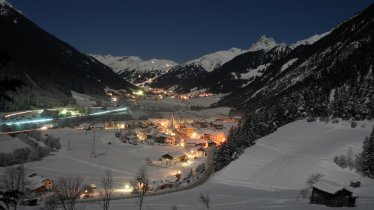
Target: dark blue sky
[(182, 29)]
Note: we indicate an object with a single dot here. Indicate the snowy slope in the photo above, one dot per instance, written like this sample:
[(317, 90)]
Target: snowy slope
[(270, 174), (126, 63), (8, 144), (310, 40), (286, 158), (212, 61)]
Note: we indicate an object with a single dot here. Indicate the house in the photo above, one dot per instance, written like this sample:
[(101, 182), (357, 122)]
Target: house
[(201, 152), (186, 130), (217, 125), (196, 142), (332, 194), (215, 119), (218, 137), (161, 138), (39, 184), (173, 158), (130, 138), (201, 123)]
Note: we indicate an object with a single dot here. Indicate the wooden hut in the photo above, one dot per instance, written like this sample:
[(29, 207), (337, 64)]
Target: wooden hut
[(332, 194)]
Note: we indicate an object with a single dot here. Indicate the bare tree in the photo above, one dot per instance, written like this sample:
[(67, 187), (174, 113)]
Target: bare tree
[(67, 190), (140, 185), (204, 199), (107, 182), (50, 203), (14, 178), (314, 179)]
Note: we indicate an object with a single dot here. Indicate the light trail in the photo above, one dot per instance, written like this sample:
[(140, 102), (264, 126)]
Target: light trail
[(29, 121), (17, 113), (106, 112)]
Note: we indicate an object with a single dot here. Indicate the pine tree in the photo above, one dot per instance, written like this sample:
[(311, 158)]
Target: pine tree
[(365, 160)]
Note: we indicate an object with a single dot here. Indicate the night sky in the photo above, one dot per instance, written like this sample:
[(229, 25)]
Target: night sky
[(182, 30)]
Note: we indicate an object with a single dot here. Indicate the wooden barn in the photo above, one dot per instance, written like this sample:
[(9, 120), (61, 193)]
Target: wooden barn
[(332, 194)]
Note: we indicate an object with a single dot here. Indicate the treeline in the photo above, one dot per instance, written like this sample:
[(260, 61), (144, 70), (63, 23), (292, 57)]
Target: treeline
[(39, 147)]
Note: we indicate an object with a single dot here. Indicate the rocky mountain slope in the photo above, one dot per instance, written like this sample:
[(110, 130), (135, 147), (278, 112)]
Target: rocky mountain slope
[(332, 76), (50, 67)]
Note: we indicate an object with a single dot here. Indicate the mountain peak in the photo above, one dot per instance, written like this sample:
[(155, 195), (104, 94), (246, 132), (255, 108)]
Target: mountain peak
[(264, 43)]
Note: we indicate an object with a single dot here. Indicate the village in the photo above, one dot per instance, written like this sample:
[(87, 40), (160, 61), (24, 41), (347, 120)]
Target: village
[(179, 152)]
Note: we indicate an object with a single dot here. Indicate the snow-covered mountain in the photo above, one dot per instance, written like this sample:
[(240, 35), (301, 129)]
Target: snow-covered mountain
[(310, 40), (135, 69), (326, 75), (214, 60), (211, 71), (264, 43)]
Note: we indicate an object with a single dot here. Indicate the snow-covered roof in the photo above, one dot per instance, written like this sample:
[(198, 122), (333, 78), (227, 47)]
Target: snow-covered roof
[(36, 181), (174, 154), (195, 141), (132, 136), (171, 179), (330, 187), (209, 131)]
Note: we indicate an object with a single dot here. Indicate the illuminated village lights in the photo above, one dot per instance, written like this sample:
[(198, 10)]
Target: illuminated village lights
[(139, 92)]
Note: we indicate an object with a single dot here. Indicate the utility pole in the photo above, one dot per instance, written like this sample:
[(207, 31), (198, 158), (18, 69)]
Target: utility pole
[(68, 147), (93, 152)]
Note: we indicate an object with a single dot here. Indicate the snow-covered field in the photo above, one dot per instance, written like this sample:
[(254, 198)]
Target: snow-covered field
[(270, 174), (122, 159)]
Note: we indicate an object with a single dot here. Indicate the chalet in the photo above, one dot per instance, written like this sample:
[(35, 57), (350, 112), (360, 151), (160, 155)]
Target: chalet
[(161, 138), (196, 142), (39, 184), (201, 123), (201, 152), (173, 158), (332, 194), (215, 119), (218, 137), (217, 125)]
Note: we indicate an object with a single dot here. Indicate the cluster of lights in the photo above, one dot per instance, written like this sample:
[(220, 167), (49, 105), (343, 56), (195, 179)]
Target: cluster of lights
[(139, 93)]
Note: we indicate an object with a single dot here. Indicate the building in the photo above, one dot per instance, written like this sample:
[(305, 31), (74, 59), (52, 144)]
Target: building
[(173, 158), (196, 142), (217, 125), (201, 123), (186, 130), (332, 194), (218, 137), (39, 184)]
